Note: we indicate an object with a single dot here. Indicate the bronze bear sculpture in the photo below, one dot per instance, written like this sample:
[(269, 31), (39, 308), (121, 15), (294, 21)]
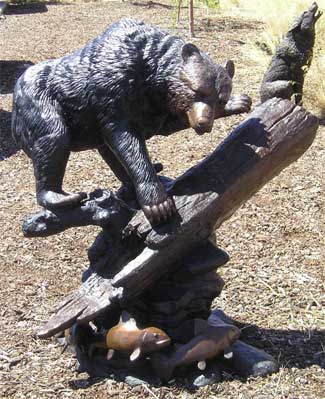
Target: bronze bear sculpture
[(128, 84)]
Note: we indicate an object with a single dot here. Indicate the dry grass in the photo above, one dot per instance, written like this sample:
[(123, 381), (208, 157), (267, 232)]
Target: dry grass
[(277, 16), (316, 82), (275, 280)]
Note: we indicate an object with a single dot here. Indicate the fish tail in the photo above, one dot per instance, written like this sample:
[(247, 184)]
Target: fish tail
[(161, 365)]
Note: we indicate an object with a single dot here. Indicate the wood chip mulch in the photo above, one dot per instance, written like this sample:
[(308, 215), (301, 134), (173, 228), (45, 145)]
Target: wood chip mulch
[(275, 281)]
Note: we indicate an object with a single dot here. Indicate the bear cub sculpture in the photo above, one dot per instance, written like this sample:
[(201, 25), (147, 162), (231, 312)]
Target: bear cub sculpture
[(130, 83)]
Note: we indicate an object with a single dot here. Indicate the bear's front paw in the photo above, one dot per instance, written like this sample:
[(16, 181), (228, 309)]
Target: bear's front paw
[(155, 202), (238, 104), (160, 212)]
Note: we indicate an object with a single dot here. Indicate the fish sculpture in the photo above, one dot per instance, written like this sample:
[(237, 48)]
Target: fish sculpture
[(128, 338), (208, 344)]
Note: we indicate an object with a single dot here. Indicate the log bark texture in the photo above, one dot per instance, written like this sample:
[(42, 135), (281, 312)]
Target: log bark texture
[(272, 137)]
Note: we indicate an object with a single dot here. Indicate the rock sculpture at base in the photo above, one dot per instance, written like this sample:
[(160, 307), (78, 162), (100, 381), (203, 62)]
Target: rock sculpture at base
[(3, 6)]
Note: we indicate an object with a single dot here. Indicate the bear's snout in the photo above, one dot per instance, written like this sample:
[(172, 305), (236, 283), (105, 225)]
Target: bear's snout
[(203, 125), (201, 117)]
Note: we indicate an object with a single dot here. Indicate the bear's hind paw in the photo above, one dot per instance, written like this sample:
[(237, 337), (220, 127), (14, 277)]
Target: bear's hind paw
[(52, 200)]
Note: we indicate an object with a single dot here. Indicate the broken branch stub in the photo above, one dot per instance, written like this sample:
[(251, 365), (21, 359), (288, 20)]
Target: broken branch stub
[(272, 137), (102, 209)]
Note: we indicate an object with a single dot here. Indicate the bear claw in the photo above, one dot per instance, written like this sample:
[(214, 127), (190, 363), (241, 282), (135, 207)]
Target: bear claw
[(238, 104), (160, 212)]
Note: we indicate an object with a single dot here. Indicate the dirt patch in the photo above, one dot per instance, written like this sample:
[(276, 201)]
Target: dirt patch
[(275, 281)]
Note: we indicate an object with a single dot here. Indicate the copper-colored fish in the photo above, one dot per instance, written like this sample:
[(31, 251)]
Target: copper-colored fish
[(127, 337)]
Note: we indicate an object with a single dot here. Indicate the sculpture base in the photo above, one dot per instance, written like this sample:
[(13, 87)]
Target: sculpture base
[(241, 359), (179, 303)]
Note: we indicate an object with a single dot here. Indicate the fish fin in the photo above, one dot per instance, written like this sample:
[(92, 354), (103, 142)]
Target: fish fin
[(202, 365), (135, 354), (228, 353), (126, 318), (110, 354)]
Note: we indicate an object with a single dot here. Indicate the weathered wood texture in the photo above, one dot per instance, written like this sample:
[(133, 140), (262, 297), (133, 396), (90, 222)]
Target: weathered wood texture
[(272, 137)]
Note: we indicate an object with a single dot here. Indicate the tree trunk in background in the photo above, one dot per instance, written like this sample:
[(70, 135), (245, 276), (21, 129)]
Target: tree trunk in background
[(191, 18)]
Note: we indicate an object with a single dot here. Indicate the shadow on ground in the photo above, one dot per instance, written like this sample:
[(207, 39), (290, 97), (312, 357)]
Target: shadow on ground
[(151, 4), (10, 72), (292, 348), (7, 145), (28, 8)]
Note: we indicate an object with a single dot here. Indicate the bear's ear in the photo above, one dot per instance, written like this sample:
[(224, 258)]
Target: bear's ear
[(188, 50), (230, 68)]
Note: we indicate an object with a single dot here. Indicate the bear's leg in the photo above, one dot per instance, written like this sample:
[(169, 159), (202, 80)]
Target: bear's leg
[(118, 170), (131, 151), (126, 192), (50, 155)]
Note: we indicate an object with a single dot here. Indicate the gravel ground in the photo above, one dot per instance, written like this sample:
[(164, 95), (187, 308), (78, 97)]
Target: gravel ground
[(274, 281)]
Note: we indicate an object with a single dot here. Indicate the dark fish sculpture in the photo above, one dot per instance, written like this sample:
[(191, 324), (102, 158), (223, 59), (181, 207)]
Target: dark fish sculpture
[(211, 342)]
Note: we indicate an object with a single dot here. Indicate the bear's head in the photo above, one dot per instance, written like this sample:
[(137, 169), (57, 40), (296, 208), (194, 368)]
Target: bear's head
[(209, 85)]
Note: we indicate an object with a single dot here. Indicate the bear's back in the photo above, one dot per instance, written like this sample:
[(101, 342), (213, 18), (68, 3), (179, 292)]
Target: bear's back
[(130, 60), (130, 42)]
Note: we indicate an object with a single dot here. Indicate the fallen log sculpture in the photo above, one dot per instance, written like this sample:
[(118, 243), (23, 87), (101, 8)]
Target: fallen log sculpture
[(127, 262)]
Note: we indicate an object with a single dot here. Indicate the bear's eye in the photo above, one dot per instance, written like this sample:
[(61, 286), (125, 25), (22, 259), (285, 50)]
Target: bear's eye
[(223, 99)]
